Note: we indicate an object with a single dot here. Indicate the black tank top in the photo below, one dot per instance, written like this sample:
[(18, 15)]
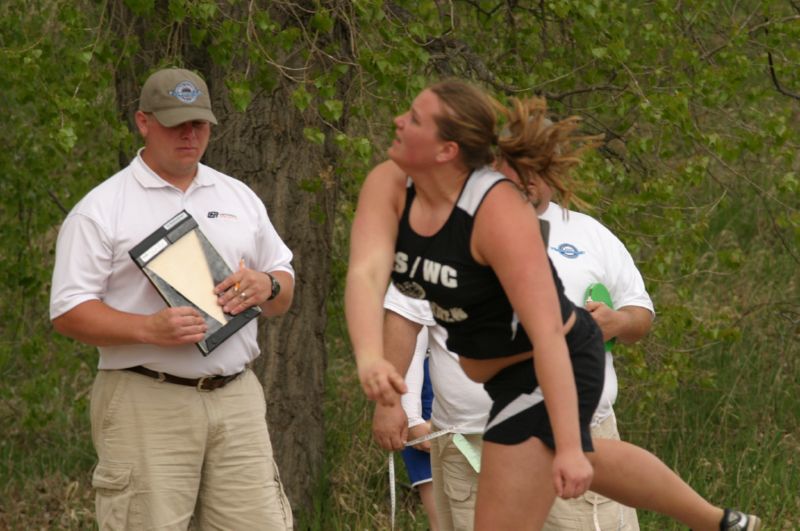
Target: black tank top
[(466, 297)]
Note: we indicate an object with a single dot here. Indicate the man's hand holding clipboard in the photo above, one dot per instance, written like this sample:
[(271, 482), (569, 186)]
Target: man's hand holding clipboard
[(599, 293)]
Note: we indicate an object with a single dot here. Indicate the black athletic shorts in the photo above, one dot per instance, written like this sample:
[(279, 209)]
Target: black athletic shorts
[(518, 410)]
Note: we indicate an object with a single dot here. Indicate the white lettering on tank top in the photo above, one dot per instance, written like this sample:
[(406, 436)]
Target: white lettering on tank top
[(436, 273), (414, 267), (400, 262), (448, 315)]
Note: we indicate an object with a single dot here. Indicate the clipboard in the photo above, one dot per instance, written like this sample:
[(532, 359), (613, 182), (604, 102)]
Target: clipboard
[(184, 267), (599, 293)]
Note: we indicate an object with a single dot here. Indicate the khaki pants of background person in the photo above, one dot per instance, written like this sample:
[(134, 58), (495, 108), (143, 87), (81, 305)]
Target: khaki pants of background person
[(455, 483), (592, 512), (455, 487), (169, 454)]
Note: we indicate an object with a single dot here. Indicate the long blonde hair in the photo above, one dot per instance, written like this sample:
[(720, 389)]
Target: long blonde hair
[(468, 119), (530, 142), (533, 145)]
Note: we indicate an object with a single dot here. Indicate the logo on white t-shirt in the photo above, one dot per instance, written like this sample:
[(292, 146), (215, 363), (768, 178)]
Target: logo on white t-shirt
[(567, 250)]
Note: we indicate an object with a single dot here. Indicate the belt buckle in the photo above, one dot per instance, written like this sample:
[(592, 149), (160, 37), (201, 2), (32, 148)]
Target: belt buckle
[(200, 382)]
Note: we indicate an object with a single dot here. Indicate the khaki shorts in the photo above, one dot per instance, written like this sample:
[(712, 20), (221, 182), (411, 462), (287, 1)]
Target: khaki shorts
[(169, 455), (591, 511), (455, 483), (455, 487)]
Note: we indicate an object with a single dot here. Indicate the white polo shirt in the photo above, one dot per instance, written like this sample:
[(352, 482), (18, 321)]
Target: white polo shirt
[(92, 260)]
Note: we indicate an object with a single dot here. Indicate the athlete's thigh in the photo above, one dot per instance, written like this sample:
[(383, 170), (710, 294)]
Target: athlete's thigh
[(515, 488)]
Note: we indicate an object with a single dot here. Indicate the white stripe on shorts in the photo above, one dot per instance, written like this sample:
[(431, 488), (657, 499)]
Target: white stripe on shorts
[(518, 405)]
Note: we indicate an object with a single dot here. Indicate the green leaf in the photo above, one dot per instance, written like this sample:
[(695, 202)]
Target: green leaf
[(240, 94), (363, 148), (206, 10), (301, 98), (332, 109), (264, 22), (314, 135), (288, 37), (419, 31), (197, 35), (177, 10), (322, 21), (67, 138)]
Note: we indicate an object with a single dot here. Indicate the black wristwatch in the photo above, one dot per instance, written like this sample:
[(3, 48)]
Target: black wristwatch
[(276, 287)]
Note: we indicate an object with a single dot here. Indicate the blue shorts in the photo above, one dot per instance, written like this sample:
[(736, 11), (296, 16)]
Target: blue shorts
[(418, 463)]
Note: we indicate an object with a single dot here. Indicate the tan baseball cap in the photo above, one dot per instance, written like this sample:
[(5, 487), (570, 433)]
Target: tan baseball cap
[(175, 96)]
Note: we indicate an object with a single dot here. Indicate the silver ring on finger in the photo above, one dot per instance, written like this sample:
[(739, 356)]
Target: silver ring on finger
[(243, 295)]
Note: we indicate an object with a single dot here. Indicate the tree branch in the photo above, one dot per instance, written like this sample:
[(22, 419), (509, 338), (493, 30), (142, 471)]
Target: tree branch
[(584, 90), (58, 203), (775, 82), (487, 14)]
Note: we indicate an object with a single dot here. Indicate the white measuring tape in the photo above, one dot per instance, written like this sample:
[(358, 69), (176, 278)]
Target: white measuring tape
[(413, 442)]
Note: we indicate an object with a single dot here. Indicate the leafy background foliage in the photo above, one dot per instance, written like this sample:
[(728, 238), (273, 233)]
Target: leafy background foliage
[(698, 102)]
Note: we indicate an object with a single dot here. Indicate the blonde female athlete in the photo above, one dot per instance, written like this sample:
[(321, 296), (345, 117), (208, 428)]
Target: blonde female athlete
[(451, 230)]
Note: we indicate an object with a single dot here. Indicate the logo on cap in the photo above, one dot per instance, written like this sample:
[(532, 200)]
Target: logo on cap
[(186, 92)]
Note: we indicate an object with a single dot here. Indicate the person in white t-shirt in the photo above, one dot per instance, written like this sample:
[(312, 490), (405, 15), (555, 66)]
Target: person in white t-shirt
[(180, 437), (583, 252)]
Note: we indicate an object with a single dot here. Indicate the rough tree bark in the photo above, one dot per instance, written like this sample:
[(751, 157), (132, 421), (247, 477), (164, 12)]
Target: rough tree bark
[(265, 148)]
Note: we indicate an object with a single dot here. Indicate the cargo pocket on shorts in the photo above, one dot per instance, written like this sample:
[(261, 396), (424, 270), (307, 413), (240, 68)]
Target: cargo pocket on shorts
[(457, 490), (605, 512), (112, 483), (461, 498)]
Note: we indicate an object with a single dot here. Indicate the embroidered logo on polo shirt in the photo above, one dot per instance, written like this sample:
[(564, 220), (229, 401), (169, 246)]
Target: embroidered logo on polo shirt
[(213, 214), (567, 250), (186, 92)]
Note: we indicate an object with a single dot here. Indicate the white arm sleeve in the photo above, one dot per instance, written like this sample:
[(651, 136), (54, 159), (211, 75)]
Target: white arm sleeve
[(411, 400)]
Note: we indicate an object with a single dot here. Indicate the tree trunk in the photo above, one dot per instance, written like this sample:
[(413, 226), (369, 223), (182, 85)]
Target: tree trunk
[(265, 148)]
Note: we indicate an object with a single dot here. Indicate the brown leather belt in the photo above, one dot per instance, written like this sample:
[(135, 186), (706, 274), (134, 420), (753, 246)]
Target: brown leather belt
[(206, 383)]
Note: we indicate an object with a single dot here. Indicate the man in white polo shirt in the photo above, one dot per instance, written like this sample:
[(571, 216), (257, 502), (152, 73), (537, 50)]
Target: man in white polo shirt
[(583, 252), (179, 436)]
